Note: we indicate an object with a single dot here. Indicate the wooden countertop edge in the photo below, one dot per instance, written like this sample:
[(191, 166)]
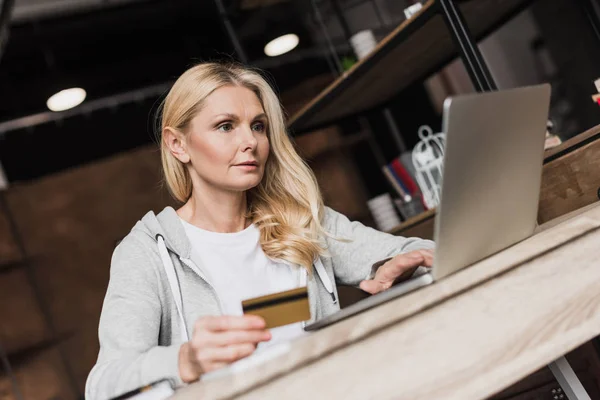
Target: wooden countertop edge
[(559, 220)]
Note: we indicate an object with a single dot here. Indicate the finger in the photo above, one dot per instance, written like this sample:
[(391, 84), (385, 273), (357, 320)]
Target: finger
[(231, 322), (397, 265), (226, 354), (428, 255), (427, 251), (239, 337), (371, 286)]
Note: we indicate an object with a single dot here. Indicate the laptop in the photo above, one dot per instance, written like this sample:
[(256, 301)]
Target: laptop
[(492, 171)]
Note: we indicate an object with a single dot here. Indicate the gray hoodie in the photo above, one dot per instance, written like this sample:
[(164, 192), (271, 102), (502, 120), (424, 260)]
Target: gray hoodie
[(142, 325)]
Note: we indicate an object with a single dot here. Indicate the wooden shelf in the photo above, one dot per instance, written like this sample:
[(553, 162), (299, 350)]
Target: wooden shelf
[(414, 50), (417, 219)]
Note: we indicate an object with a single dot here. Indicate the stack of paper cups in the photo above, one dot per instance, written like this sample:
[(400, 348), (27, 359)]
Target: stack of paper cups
[(363, 43), (383, 211)]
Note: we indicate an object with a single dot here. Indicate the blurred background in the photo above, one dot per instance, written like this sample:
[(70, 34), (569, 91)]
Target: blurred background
[(77, 172)]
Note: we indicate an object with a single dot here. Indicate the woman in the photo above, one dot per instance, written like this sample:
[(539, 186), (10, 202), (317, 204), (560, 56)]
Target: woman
[(252, 223)]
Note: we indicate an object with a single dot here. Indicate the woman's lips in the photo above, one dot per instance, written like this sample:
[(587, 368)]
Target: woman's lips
[(248, 166)]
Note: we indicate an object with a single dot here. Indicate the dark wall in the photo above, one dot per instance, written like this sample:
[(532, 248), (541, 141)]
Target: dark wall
[(69, 224)]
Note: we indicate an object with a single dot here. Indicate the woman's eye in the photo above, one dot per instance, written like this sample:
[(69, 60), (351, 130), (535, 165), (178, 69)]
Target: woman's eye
[(258, 127), (225, 127)]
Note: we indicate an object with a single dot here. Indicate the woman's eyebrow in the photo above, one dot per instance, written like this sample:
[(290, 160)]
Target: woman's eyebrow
[(226, 116), (261, 116)]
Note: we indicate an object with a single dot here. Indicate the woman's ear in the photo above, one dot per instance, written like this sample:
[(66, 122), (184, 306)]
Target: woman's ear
[(175, 142)]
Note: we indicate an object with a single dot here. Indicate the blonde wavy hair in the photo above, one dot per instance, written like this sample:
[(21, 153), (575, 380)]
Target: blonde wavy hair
[(286, 206)]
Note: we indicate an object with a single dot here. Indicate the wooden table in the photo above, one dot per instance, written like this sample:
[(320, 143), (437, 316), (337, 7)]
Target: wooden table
[(465, 337)]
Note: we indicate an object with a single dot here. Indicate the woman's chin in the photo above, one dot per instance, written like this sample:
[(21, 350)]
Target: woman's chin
[(245, 184)]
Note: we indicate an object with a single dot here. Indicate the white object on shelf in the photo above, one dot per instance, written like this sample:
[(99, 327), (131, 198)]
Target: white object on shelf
[(428, 157), (410, 11), (597, 83), (363, 43), (384, 212), (3, 179)]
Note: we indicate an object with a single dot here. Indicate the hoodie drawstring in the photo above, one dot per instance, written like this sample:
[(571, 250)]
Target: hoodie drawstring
[(173, 282), (325, 279), (176, 292)]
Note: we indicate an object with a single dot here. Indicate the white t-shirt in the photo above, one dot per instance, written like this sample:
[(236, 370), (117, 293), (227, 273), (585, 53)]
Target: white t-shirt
[(238, 269)]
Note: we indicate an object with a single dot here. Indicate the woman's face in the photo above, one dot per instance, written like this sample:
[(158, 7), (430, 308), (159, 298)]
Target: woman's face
[(227, 142)]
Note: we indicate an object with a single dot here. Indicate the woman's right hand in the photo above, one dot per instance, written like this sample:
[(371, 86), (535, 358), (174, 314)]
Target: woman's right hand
[(218, 341)]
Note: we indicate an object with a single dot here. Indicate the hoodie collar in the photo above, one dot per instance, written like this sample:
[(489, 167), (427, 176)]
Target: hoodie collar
[(168, 225)]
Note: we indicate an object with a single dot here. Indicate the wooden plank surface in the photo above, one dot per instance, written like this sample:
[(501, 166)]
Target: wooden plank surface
[(472, 346), (324, 349), (410, 52)]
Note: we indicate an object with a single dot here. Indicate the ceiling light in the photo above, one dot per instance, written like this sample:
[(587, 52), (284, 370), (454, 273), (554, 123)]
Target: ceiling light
[(281, 45), (66, 99)]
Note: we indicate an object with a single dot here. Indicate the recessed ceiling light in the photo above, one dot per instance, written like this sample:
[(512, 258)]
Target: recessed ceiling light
[(66, 99), (281, 45)]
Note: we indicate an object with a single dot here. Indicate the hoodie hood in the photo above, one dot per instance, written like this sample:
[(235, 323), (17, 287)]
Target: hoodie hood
[(167, 225)]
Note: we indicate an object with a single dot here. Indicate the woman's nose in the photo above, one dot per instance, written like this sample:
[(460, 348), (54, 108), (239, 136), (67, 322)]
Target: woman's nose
[(248, 137)]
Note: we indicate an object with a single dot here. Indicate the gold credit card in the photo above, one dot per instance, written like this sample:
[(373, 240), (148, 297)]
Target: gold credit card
[(281, 308)]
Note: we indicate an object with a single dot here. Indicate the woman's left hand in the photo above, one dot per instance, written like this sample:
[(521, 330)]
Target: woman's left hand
[(392, 269)]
